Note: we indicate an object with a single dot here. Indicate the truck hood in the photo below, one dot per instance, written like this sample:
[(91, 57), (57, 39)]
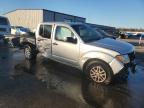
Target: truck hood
[(115, 45)]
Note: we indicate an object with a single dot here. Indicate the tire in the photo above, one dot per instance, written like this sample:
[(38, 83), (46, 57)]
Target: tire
[(29, 52), (99, 72)]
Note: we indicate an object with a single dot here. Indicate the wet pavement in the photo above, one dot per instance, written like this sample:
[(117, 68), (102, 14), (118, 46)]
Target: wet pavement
[(47, 84)]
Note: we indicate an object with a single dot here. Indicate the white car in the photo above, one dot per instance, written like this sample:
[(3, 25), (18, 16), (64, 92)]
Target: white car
[(18, 30), (4, 27)]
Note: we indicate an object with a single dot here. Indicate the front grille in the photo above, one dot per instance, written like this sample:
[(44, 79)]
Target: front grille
[(2, 29), (131, 56)]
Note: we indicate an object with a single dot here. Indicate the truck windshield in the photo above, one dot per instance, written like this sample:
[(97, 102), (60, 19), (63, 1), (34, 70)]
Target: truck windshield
[(3, 21), (105, 34), (86, 33)]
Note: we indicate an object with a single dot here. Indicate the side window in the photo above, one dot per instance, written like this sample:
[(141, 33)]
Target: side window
[(41, 30), (64, 34), (45, 31)]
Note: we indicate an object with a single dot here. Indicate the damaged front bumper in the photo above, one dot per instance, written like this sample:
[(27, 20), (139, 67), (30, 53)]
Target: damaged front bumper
[(119, 67), (132, 66)]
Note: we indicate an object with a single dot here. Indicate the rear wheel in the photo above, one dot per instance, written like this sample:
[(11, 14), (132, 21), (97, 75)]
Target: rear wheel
[(29, 52), (99, 72)]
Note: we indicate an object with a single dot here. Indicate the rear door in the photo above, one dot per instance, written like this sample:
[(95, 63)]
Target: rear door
[(43, 40)]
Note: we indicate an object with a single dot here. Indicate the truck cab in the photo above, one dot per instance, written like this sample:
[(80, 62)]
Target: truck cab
[(80, 46)]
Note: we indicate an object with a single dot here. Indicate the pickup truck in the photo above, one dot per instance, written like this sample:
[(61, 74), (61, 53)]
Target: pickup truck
[(80, 46)]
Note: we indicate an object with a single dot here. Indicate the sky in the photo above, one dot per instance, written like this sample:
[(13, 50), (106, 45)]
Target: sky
[(117, 13)]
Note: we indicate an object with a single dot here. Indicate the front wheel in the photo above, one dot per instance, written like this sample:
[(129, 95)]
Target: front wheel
[(99, 72)]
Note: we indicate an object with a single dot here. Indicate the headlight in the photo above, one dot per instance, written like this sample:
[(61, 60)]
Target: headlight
[(123, 58)]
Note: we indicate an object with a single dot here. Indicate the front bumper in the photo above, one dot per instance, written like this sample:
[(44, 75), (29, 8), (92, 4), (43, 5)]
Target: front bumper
[(117, 66), (124, 72), (132, 66), (132, 63)]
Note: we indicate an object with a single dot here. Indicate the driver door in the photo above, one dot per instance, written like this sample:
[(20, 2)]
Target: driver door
[(63, 48)]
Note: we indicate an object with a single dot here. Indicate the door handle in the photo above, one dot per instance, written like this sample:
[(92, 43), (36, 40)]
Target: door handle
[(55, 43)]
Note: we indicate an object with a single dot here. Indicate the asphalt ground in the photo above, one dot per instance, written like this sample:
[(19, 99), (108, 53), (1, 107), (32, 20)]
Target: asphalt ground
[(46, 84)]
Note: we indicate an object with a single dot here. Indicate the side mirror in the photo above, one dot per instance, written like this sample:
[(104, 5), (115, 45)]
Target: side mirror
[(72, 40)]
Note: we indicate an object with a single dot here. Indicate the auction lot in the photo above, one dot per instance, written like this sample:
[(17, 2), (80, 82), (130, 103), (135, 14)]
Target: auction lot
[(46, 84)]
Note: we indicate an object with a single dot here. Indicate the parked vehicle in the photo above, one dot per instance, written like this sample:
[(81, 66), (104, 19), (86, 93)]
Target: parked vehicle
[(80, 46), (139, 35), (4, 27), (126, 35), (141, 43), (123, 35), (19, 30)]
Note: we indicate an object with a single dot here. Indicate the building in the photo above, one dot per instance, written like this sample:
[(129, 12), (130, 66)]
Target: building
[(30, 18)]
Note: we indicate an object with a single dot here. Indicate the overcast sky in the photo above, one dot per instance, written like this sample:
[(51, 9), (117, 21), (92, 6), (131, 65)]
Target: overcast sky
[(118, 13)]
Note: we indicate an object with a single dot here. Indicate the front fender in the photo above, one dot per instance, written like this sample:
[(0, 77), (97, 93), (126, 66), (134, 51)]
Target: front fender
[(95, 55)]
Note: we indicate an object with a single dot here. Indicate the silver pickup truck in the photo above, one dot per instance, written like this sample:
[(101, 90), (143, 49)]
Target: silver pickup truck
[(78, 45)]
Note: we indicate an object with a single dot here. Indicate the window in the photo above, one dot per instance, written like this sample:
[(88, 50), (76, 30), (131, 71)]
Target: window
[(3, 21), (65, 34), (41, 30), (86, 33), (45, 31)]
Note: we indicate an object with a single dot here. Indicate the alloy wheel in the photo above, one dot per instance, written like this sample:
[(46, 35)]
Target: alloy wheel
[(98, 74)]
